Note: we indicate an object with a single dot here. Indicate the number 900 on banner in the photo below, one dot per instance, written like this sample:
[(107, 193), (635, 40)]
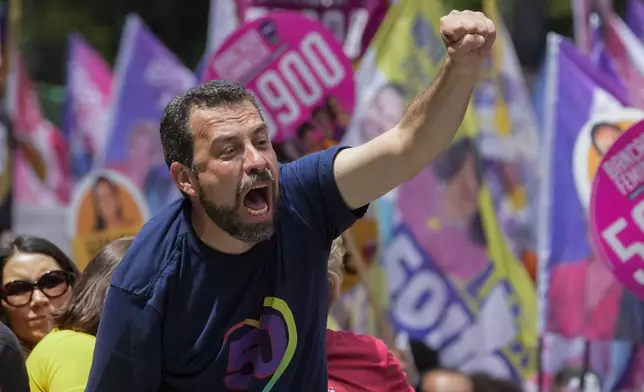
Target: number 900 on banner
[(617, 209), (294, 67)]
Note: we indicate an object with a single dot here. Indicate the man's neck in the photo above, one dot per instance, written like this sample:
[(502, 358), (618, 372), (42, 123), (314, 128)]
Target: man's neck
[(213, 236)]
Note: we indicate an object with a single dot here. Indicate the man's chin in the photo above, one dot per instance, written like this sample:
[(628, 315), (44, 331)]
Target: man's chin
[(256, 232)]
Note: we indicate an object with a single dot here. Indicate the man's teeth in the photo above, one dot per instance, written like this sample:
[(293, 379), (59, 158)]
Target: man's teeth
[(257, 212)]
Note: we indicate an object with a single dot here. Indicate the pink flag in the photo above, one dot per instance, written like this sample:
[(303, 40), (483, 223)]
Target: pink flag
[(89, 85), (40, 163)]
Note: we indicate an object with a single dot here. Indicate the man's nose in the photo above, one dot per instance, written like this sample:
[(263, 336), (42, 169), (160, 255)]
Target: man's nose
[(254, 160)]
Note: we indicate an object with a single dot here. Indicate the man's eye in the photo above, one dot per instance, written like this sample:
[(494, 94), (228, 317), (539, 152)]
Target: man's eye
[(228, 151)]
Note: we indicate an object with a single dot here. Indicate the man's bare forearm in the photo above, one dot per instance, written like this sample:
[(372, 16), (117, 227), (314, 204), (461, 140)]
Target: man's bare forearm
[(433, 118), (367, 172)]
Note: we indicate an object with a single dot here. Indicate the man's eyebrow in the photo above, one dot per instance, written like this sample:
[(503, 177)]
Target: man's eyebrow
[(260, 128), (224, 138)]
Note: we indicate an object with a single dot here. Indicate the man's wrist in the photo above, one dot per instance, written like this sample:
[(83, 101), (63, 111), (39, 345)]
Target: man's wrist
[(466, 70)]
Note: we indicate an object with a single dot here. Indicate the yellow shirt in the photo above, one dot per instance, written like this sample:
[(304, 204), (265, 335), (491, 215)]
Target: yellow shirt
[(332, 324), (61, 362)]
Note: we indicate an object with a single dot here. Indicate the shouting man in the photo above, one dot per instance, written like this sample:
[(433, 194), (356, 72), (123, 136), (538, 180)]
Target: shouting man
[(226, 289)]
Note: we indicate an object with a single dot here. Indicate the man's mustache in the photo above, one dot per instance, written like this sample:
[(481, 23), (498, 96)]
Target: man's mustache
[(255, 178)]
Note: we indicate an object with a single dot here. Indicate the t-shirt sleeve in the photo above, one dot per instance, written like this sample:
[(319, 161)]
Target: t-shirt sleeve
[(62, 366), (309, 186), (395, 377), (13, 373), (127, 356)]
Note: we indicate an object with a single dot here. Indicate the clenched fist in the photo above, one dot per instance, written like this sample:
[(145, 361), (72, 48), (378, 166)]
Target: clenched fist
[(468, 37)]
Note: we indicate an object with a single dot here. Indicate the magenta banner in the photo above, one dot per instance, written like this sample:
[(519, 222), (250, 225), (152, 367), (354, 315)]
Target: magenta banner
[(352, 22)]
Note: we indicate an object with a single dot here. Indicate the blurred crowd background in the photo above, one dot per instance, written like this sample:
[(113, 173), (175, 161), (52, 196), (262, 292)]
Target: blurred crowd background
[(482, 263)]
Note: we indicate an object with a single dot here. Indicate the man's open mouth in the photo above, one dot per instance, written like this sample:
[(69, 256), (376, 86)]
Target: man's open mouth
[(257, 200)]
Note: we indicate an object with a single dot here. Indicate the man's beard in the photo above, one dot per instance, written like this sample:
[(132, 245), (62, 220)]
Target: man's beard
[(229, 220)]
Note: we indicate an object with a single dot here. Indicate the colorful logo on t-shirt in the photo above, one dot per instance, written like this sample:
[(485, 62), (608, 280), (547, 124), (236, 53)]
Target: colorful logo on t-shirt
[(267, 345)]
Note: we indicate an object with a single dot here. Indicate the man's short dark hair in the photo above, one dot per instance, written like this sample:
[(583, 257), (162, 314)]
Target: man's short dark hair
[(486, 383), (176, 137)]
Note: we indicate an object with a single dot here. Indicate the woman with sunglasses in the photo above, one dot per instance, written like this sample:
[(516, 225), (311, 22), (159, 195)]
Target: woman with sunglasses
[(35, 281), (62, 360)]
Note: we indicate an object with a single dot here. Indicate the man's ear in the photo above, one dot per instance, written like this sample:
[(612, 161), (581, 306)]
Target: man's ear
[(182, 176)]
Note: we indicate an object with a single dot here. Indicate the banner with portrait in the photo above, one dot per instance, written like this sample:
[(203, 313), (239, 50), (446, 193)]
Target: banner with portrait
[(453, 280), (580, 298), (506, 141), (147, 77), (106, 205)]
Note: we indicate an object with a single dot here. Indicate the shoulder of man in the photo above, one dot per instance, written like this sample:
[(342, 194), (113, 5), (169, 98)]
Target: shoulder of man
[(7, 339), (155, 250), (13, 372)]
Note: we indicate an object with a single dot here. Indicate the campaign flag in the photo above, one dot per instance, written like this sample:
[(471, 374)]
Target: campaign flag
[(635, 17), (40, 161), (508, 134), (41, 190), (147, 77), (453, 280), (223, 20), (626, 53), (352, 22), (579, 297), (131, 181), (600, 57), (89, 85), (583, 34)]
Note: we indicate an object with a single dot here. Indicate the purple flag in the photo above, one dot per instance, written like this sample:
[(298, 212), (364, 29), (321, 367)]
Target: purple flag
[(148, 76), (635, 17), (89, 85), (583, 115), (602, 59)]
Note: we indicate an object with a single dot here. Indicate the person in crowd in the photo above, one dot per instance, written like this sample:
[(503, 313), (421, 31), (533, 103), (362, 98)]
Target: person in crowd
[(238, 267), (108, 205), (603, 135), (13, 374), (425, 359), (340, 117), (357, 362), (308, 138), (61, 361), (322, 121), (445, 380), (383, 112), (569, 379), (287, 151), (483, 382), (37, 278)]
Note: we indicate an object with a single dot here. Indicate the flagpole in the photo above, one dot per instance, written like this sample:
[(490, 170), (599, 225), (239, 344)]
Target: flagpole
[(12, 42)]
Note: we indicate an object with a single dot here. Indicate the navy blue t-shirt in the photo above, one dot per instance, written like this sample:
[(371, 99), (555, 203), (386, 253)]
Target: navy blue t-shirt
[(180, 316)]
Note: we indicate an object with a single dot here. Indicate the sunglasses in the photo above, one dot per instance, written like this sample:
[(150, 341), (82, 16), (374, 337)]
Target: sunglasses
[(20, 292)]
